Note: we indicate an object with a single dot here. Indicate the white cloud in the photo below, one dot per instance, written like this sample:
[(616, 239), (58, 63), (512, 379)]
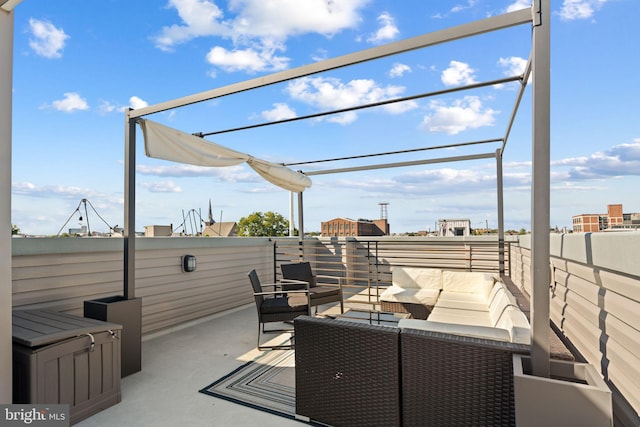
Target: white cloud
[(512, 66), (458, 73), (462, 114), (320, 55), (249, 59), (461, 7), (258, 24), (71, 102), (518, 4), (199, 18), (280, 111), (162, 187), (580, 9), (619, 160), (106, 107), (400, 107), (332, 94), (136, 102), (388, 30), (47, 41), (256, 18), (398, 70), (51, 191), (227, 174)]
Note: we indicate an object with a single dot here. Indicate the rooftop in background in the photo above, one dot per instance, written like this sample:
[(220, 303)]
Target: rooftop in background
[(613, 220), (341, 227)]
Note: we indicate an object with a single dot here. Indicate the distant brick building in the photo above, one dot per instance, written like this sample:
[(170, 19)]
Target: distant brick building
[(341, 227), (614, 219)]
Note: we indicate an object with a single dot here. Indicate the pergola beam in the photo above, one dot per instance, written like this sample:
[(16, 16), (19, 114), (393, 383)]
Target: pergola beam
[(402, 164), (494, 23)]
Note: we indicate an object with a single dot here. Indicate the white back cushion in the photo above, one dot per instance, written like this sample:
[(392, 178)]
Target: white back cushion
[(469, 282), (499, 305), (413, 277)]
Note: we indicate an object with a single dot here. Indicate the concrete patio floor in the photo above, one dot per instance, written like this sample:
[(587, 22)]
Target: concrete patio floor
[(178, 363)]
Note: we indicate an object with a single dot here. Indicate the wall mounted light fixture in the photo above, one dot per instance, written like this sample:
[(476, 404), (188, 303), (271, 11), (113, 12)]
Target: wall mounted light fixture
[(188, 263)]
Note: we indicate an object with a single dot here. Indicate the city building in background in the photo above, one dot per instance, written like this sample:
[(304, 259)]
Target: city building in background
[(613, 220), (341, 227), (454, 227), (158, 230)]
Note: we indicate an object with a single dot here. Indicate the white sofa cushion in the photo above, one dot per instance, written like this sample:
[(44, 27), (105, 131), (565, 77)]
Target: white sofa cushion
[(457, 329), (514, 321), (462, 301), (412, 277), (410, 295), (468, 282), (460, 316)]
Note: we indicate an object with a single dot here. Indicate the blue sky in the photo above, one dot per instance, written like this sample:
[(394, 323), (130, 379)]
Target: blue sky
[(78, 64)]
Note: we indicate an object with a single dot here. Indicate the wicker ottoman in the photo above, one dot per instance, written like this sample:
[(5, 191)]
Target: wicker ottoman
[(417, 311)]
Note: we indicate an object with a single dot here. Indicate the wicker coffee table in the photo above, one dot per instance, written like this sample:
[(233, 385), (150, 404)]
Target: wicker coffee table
[(383, 318)]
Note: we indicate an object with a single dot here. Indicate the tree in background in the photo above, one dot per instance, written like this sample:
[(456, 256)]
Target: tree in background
[(263, 224), (14, 229)]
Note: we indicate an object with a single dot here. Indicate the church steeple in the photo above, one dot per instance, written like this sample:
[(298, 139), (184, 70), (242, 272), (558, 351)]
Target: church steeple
[(210, 218)]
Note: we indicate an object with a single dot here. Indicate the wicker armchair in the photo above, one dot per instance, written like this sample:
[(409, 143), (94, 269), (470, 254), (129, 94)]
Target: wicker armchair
[(277, 306), (320, 293)]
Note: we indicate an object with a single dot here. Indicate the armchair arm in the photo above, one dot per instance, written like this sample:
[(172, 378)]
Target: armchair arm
[(293, 282), (282, 292), (339, 279), (287, 284)]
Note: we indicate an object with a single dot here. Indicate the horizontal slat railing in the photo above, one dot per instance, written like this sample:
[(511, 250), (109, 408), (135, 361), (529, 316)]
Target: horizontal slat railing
[(364, 264), (60, 274), (595, 303)]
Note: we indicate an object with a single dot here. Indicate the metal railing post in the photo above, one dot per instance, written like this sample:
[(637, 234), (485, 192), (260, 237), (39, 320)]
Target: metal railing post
[(500, 211)]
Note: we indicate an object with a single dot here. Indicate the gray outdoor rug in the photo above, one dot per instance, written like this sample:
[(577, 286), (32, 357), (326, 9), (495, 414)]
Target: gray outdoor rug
[(266, 383)]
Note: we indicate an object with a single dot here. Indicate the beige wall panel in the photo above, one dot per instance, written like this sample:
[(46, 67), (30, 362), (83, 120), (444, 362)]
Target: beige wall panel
[(623, 285), (623, 333)]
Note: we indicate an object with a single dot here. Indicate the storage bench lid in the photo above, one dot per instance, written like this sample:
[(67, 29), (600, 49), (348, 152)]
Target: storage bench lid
[(35, 328)]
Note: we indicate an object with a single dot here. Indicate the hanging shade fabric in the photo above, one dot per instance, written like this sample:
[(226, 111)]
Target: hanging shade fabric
[(162, 142)]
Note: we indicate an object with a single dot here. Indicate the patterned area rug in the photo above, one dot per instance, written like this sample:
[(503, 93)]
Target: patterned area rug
[(266, 383)]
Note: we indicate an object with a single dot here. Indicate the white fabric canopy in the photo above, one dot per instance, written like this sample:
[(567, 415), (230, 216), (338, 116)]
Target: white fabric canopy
[(162, 142)]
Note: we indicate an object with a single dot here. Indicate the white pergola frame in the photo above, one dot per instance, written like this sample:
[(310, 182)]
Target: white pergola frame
[(538, 66)]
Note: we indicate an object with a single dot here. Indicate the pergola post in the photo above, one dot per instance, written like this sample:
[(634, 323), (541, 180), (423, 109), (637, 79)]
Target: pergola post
[(6, 84), (540, 191), (129, 206)]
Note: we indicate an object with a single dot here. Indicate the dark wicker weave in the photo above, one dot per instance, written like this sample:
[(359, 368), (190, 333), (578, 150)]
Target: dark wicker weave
[(347, 373), (417, 311), (320, 294), (450, 380)]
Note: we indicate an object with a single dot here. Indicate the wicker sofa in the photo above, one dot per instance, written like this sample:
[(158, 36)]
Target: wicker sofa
[(471, 304), (355, 374)]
